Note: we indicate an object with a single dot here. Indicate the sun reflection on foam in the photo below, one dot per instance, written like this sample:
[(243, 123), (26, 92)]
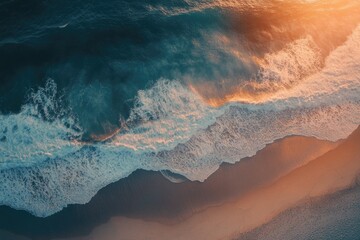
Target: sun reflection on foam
[(286, 41)]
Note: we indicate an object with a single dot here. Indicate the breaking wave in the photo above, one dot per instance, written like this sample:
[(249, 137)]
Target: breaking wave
[(45, 164)]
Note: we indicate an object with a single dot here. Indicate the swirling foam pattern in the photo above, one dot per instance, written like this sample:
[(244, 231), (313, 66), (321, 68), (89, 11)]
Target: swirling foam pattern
[(45, 165)]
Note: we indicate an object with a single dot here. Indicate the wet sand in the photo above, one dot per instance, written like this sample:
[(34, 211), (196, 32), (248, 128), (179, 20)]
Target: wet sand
[(332, 172), (332, 217), (236, 198)]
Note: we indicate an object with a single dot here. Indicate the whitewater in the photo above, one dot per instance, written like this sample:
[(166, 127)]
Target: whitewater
[(45, 164)]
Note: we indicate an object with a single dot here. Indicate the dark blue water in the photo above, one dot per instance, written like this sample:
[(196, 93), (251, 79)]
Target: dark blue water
[(223, 79), (101, 53)]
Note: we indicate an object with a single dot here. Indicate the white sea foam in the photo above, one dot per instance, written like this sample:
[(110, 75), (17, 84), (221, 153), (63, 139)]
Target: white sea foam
[(43, 168), (169, 114), (286, 67), (43, 129)]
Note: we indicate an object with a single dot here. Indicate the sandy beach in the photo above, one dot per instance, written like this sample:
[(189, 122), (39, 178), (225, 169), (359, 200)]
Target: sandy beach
[(334, 171), (150, 196), (180, 120), (334, 216), (236, 199)]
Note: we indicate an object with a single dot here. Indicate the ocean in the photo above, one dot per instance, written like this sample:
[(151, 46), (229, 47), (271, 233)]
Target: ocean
[(93, 90)]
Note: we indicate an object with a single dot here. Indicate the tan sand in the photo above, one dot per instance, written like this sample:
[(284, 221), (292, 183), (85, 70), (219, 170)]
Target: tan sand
[(335, 170), (148, 195)]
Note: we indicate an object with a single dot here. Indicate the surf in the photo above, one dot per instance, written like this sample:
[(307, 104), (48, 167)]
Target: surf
[(183, 125)]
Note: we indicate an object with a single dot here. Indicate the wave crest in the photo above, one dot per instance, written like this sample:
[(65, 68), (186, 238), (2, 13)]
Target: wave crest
[(43, 169)]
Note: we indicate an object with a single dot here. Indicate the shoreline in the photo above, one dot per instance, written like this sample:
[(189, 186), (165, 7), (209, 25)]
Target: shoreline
[(328, 174), (148, 195)]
